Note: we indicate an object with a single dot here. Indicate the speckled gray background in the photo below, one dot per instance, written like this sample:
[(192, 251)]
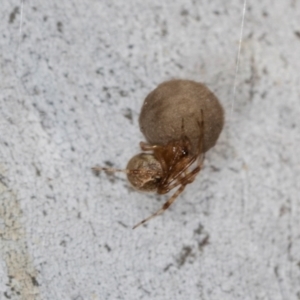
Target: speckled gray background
[(73, 78)]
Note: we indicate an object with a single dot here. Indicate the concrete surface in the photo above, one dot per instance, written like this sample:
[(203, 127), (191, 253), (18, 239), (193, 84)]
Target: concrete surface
[(73, 78)]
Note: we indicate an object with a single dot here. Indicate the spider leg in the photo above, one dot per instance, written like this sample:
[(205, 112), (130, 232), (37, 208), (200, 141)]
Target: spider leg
[(126, 171), (192, 160), (168, 180), (110, 170), (164, 207), (189, 178), (147, 147), (169, 183), (201, 139), (182, 128)]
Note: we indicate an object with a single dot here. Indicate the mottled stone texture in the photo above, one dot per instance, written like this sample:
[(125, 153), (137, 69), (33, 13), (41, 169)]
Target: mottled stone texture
[(74, 75)]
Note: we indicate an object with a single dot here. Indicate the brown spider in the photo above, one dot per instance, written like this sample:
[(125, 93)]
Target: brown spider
[(164, 168)]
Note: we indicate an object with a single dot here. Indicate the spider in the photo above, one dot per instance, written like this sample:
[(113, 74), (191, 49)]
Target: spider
[(160, 168)]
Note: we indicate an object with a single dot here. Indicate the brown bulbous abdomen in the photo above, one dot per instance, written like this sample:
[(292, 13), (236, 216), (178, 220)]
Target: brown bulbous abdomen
[(176, 100)]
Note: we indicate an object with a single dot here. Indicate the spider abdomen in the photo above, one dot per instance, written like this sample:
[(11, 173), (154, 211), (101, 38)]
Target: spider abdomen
[(177, 101)]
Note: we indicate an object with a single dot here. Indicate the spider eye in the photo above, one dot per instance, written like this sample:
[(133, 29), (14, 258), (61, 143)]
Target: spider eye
[(185, 151)]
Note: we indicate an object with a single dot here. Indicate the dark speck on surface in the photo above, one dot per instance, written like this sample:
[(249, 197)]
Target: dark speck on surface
[(214, 169), (108, 163), (13, 14), (128, 114), (201, 236), (34, 281), (37, 170), (59, 26), (166, 268), (123, 93), (199, 229), (107, 248), (122, 224), (185, 253), (297, 33), (63, 243), (184, 12), (204, 242)]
